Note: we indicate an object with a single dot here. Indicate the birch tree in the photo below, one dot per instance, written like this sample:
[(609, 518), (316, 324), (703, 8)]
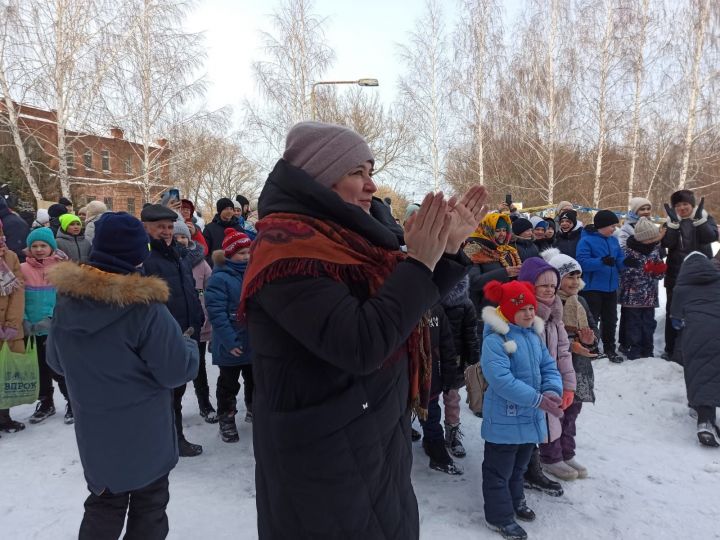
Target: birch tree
[(297, 54), (155, 82), (424, 91), (478, 49)]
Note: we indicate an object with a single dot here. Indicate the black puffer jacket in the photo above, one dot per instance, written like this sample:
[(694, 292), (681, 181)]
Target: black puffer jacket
[(380, 211), (695, 303), (684, 240), (526, 248), (16, 230), (567, 242), (463, 322), (184, 305), (444, 358), (331, 418), (214, 232)]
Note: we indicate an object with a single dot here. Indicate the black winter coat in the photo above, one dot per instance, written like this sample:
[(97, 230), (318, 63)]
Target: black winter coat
[(380, 211), (444, 358), (567, 242), (214, 232), (695, 303), (121, 354), (683, 241), (526, 248), (331, 427), (463, 323), (184, 304), (16, 230)]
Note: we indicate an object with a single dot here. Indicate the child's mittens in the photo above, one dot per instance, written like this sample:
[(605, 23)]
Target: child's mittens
[(567, 399), (586, 336), (8, 334), (550, 403), (655, 268)]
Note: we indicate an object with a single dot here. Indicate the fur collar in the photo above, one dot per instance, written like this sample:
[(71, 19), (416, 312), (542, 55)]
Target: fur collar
[(81, 281), (500, 326)]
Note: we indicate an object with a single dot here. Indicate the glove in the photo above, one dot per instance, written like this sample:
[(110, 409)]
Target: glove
[(677, 324), (586, 336), (632, 262), (608, 260), (567, 399), (42, 327), (27, 328), (700, 214), (655, 268), (9, 334), (550, 403), (673, 222)]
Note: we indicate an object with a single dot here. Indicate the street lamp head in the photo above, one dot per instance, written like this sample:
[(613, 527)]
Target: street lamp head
[(368, 82)]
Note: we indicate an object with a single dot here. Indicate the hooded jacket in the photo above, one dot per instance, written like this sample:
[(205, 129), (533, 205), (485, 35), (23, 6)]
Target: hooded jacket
[(121, 354), (77, 248), (591, 249), (222, 297), (567, 242), (463, 322), (518, 369), (40, 294), (684, 240), (695, 304), (214, 233)]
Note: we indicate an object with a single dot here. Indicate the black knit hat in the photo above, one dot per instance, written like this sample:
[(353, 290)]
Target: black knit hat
[(520, 225), (224, 203), (56, 210), (242, 200), (684, 195), (65, 201), (570, 215), (604, 218)]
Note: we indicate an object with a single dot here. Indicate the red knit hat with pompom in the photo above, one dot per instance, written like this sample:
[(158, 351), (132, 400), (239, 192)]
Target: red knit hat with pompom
[(234, 241), (511, 296)]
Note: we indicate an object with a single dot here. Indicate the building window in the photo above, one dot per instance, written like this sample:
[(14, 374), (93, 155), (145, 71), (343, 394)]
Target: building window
[(70, 159), (131, 205), (105, 160), (128, 165), (87, 159), (108, 203), (90, 198)]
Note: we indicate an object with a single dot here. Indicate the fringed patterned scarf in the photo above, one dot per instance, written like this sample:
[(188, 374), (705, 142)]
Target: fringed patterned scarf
[(298, 245), (9, 283)]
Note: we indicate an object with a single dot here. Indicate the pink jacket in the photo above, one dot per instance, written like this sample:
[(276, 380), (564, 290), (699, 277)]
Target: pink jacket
[(556, 340), (202, 273)]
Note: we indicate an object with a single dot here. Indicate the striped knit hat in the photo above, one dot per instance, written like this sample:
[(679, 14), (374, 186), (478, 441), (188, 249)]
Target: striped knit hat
[(234, 241)]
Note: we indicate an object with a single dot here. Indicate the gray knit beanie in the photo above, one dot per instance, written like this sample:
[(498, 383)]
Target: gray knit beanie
[(646, 230), (179, 227), (325, 151)]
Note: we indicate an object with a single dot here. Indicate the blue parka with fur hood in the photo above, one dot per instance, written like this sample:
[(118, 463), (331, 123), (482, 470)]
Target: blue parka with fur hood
[(518, 369)]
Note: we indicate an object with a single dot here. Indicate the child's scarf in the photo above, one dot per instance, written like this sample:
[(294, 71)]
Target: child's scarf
[(485, 249), (9, 283), (574, 316), (297, 245)]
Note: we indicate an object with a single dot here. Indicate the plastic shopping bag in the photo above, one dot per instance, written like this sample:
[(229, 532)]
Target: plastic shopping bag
[(19, 376)]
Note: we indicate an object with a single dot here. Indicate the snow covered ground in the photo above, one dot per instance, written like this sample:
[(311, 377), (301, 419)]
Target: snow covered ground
[(649, 478)]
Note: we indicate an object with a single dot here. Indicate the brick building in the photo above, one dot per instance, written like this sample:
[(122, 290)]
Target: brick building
[(108, 169)]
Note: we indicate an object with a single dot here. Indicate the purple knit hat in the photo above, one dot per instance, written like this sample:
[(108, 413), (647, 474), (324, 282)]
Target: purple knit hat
[(534, 266)]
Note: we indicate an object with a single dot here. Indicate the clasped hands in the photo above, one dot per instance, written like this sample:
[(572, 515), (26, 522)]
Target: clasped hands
[(441, 226)]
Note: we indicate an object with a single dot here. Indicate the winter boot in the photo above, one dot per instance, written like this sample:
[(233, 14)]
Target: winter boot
[(453, 436), (522, 512), (69, 416), (513, 531), (536, 479), (45, 408), (207, 411), (440, 460), (708, 434), (228, 429), (560, 470), (415, 435), (614, 357), (188, 449), (582, 472), (7, 424)]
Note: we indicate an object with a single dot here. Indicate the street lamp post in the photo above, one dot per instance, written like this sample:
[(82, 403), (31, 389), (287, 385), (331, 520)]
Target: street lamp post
[(359, 82)]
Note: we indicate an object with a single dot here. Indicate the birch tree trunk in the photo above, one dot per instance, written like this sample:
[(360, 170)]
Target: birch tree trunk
[(639, 76)]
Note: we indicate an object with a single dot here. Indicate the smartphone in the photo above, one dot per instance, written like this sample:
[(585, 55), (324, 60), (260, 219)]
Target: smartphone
[(174, 193), (508, 199)]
